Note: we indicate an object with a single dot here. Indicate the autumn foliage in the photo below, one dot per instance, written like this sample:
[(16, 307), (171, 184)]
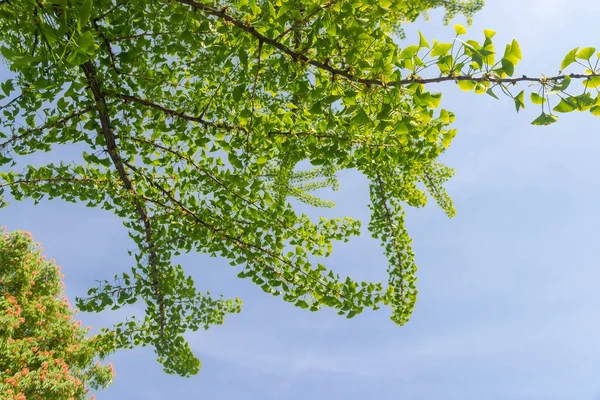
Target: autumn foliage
[(44, 352)]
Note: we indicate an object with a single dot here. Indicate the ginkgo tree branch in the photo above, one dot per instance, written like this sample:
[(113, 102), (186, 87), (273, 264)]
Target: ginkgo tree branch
[(493, 79), (51, 124), (305, 20), (238, 242), (12, 101), (325, 83), (107, 131), (389, 220), (190, 161), (175, 113), (51, 180), (298, 56), (225, 235)]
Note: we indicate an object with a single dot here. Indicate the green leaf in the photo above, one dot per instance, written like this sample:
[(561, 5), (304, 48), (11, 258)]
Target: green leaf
[(238, 92), (507, 66), (93, 159), (422, 41), (515, 51), (316, 109), (520, 100), (537, 99), (409, 52), (512, 53), (17, 59), (585, 53), (431, 100), (488, 54), (545, 119), (362, 118), (85, 11), (564, 106), (466, 85), (561, 86), (489, 33), (86, 43), (7, 86), (440, 49), (447, 137), (243, 57), (235, 160), (261, 160), (569, 59), (491, 93), (302, 304), (595, 111), (592, 82), (473, 45), (459, 29), (583, 101)]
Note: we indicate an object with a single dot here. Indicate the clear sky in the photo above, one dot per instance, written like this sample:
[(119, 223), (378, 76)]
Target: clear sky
[(509, 302)]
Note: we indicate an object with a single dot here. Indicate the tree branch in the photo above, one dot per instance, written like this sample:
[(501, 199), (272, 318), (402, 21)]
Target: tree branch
[(49, 180), (150, 34), (297, 56), (110, 11), (107, 131), (236, 241), (260, 46), (53, 124), (175, 113), (12, 101), (306, 19), (334, 137), (390, 222), (111, 54)]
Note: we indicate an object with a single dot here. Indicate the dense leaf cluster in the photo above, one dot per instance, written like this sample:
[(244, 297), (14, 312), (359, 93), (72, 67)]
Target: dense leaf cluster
[(194, 117)]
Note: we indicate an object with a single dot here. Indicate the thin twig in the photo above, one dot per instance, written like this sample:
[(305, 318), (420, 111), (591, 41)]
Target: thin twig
[(115, 8), (53, 124), (215, 94), (260, 46), (306, 19), (51, 180), (176, 113), (150, 34), (111, 54), (12, 101)]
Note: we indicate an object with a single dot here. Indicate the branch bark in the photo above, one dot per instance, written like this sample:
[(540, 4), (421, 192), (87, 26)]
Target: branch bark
[(107, 131)]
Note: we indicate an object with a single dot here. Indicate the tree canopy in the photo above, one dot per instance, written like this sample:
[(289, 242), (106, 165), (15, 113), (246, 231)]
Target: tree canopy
[(193, 119), (44, 352)]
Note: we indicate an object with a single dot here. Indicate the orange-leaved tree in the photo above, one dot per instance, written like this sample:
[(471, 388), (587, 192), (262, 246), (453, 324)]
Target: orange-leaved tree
[(44, 352)]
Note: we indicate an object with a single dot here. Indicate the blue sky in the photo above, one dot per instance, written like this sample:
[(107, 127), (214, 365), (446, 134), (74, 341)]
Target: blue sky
[(508, 302)]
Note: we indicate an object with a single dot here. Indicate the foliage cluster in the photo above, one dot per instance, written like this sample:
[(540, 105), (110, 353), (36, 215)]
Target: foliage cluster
[(195, 115), (45, 353)]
